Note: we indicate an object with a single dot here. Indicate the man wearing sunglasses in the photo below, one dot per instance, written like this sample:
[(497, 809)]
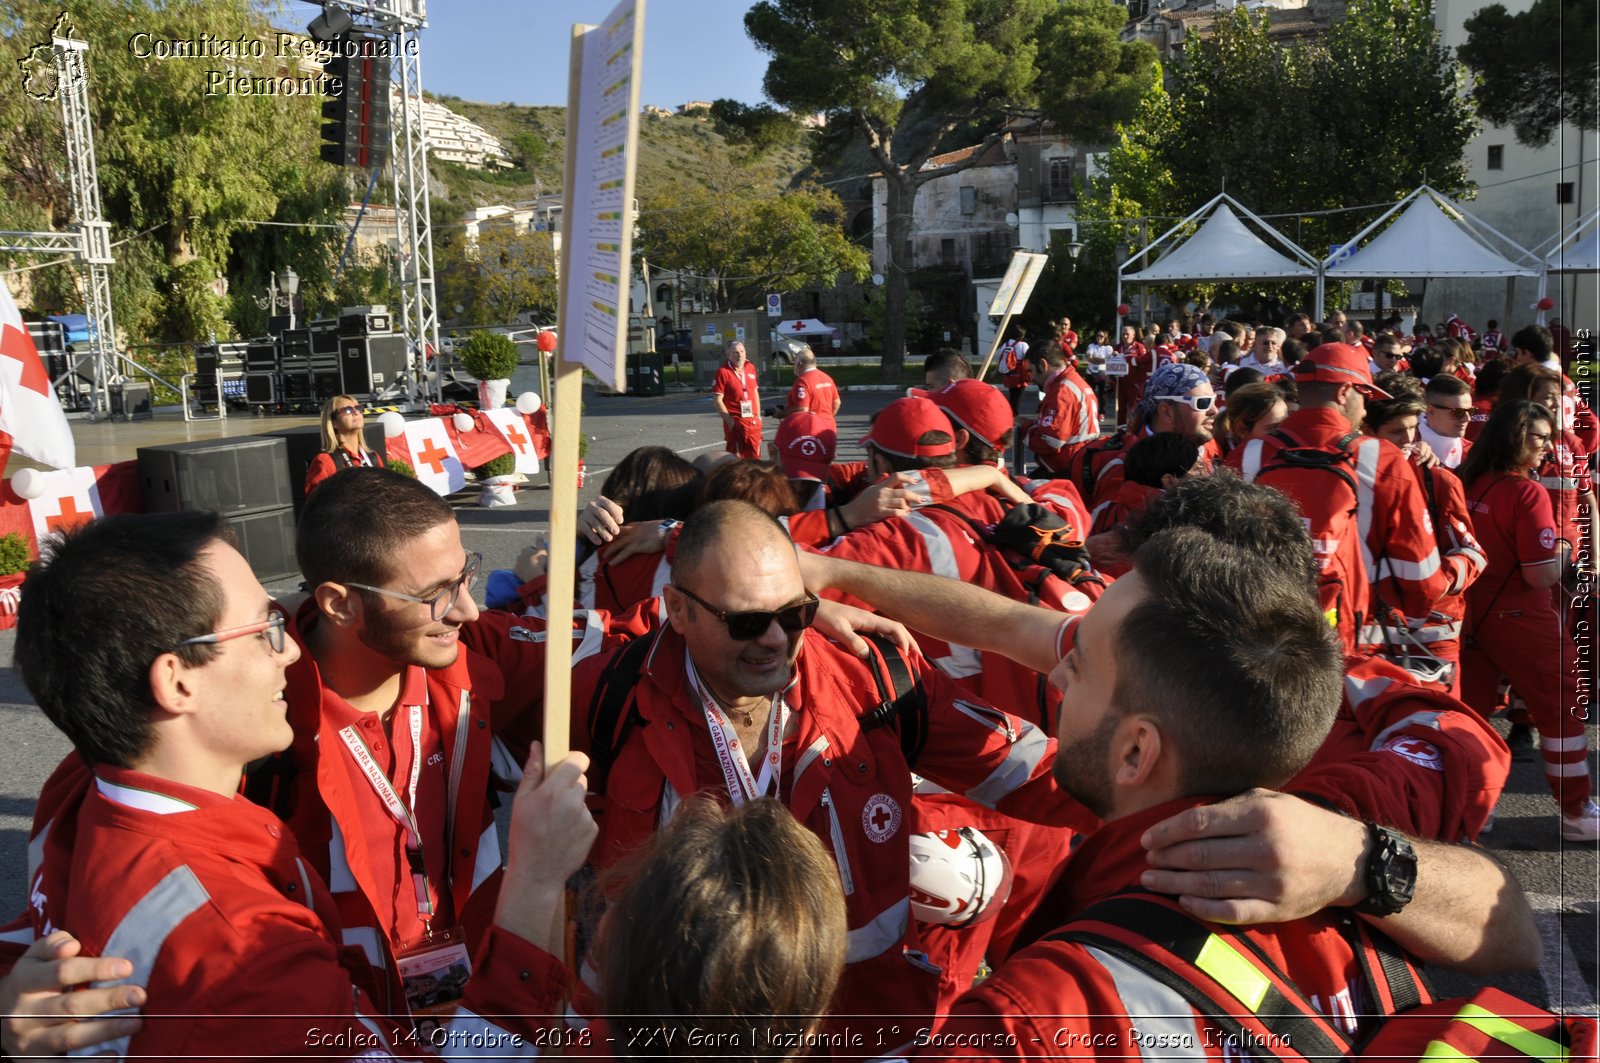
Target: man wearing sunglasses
[(149, 642), (1177, 398), (737, 699)]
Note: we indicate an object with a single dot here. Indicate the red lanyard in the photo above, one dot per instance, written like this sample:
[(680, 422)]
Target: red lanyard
[(398, 809), (742, 785)]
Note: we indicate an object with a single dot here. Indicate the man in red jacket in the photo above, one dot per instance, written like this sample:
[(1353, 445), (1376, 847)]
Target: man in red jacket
[(1396, 540), (1069, 413), (814, 391), (148, 852)]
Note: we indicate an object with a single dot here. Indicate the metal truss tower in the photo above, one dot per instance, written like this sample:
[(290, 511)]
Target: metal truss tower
[(91, 239)]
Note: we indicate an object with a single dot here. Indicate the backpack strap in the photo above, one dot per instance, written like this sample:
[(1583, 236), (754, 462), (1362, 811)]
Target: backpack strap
[(1216, 969), (608, 727), (902, 701)]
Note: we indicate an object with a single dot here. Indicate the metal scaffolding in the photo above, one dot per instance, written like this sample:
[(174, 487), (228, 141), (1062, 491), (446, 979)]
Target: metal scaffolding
[(90, 240)]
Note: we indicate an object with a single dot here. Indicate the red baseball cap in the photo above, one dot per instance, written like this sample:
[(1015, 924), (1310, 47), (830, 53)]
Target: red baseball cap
[(1340, 363), (977, 407), (900, 424), (806, 442)]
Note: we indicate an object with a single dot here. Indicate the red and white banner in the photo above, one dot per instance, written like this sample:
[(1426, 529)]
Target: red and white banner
[(480, 444), (431, 454), (70, 497), (29, 413), (514, 427)]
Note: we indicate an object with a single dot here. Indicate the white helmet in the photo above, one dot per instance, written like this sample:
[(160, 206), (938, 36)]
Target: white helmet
[(958, 877)]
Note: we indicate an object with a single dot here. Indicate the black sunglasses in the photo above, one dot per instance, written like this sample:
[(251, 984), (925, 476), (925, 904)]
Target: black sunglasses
[(745, 626)]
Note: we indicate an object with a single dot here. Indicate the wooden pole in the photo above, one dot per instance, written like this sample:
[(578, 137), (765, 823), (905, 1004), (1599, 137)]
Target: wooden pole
[(999, 335), (565, 417)]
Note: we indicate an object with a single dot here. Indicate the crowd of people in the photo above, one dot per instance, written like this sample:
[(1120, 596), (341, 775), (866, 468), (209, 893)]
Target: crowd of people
[(909, 756)]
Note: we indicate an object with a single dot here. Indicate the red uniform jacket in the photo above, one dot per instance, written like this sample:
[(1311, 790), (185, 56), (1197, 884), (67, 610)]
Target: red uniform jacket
[(1055, 999), (325, 465), (851, 787), (814, 390), (1069, 419)]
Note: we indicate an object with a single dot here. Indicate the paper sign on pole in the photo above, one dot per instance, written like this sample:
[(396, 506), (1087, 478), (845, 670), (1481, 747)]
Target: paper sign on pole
[(599, 206), (1012, 296)]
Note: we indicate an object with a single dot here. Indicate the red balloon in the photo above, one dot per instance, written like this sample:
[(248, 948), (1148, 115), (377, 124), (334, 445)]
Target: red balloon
[(547, 341), (1123, 309), (1546, 303)]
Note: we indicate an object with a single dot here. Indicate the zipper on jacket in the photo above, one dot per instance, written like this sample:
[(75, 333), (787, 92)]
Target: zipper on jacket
[(840, 854)]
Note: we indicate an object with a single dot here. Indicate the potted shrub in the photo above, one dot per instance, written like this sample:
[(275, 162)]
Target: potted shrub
[(402, 467), (498, 478), (15, 557), (491, 358)]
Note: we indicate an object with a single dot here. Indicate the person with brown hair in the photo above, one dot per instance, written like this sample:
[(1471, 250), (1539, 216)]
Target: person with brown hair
[(729, 932), (1253, 410), (343, 444), (1565, 469), (1512, 629)]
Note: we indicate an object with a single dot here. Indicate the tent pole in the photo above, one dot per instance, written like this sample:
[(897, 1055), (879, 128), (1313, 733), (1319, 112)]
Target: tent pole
[(1322, 281), (1511, 287)]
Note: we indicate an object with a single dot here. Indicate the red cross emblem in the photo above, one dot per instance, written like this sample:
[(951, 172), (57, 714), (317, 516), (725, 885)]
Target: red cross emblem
[(17, 345), (433, 455), (69, 517), (516, 438), (880, 817)]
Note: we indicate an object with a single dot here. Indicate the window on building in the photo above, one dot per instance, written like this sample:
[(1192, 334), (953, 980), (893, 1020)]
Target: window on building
[(1564, 192), (1497, 156), (947, 251), (969, 199), (1058, 180)]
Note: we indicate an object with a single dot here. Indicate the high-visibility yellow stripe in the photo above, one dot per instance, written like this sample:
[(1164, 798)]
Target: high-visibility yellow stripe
[(1509, 1033), (1233, 972), (1441, 1051)]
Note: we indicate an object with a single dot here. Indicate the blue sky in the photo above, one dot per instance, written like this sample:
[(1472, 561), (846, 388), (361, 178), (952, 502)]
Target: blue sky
[(515, 51)]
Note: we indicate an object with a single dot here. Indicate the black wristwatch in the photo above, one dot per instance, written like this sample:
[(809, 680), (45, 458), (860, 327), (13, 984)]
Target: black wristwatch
[(1391, 872)]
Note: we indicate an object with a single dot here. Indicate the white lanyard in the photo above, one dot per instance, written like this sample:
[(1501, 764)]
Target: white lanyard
[(742, 785), (397, 808)]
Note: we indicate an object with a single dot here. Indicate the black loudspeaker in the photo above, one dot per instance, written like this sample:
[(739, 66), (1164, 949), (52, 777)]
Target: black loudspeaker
[(296, 386), (266, 539), (305, 443), (245, 474), (325, 337), (325, 384), (261, 356), (130, 402), (261, 389), (372, 363)]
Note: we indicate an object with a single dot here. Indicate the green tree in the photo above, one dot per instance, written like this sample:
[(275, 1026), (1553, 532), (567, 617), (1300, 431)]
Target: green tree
[(1089, 78), (760, 128), (1537, 69), (182, 173), (506, 271), (879, 68)]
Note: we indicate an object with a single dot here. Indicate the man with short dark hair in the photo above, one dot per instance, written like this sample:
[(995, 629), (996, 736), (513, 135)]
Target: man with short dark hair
[(1534, 344), (943, 366), (147, 852), (1448, 415), (1069, 412)]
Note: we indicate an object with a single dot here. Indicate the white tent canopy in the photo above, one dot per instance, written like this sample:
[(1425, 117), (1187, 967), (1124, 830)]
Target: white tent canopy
[(806, 326), (1434, 237), (1577, 250), (1224, 250)]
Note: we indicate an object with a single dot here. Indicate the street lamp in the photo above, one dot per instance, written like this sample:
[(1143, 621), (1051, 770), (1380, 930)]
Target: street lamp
[(1074, 249), (291, 288)]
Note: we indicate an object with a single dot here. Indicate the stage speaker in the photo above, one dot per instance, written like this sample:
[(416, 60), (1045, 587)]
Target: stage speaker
[(372, 363), (261, 389), (261, 356), (130, 401), (325, 383), (266, 539), (296, 386), (304, 443), (324, 337), (244, 474)]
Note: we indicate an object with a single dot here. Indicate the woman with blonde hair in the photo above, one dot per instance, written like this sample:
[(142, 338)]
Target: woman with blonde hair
[(343, 444), (1253, 410)]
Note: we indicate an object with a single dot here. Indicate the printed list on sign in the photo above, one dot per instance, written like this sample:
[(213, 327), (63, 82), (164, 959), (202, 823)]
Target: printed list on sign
[(600, 192)]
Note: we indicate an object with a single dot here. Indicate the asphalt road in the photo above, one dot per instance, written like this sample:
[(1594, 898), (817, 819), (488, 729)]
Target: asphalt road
[(1560, 879)]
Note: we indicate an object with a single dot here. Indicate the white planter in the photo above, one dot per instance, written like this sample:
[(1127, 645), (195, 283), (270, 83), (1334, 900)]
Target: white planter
[(499, 491), (492, 393)]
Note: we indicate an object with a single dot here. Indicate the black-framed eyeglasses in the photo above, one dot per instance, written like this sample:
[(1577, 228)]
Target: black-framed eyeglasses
[(1458, 412), (752, 624), (440, 603), (272, 628), (342, 410)]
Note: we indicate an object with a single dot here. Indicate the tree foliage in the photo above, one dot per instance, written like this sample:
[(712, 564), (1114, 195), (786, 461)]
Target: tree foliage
[(760, 128), (1089, 78), (914, 78), (743, 238), (503, 273), (185, 177), (1289, 131), (1537, 69)]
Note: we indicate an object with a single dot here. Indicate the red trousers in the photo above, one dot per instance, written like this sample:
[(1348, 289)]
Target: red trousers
[(743, 437), (1528, 645)]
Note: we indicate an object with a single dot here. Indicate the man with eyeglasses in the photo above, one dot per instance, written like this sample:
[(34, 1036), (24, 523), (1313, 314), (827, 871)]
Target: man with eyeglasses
[(736, 699), (1444, 424), (149, 642), (1264, 354)]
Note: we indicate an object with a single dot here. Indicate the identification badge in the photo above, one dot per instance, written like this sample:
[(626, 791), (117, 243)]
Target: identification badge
[(1116, 365), (435, 973), (746, 410)]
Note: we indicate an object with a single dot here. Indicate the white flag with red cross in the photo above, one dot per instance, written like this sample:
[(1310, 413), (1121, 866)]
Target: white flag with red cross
[(29, 412), (514, 427), (71, 497), (433, 456)]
